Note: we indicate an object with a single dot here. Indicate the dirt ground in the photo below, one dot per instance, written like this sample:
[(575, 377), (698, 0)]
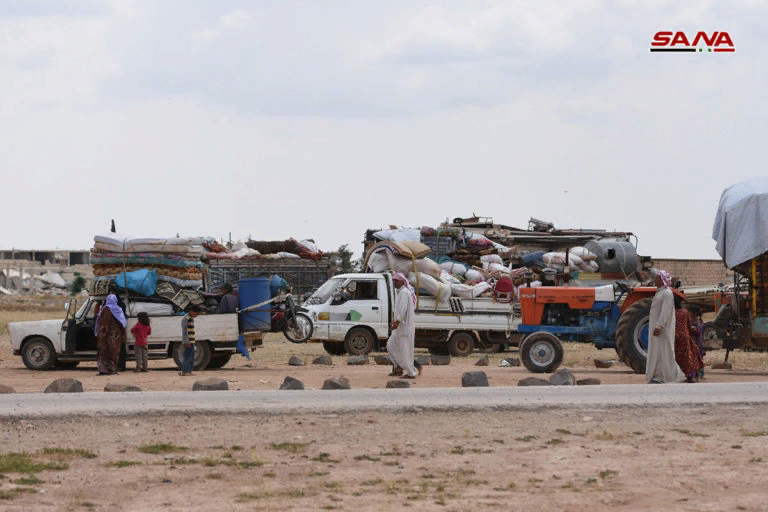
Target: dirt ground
[(691, 459)]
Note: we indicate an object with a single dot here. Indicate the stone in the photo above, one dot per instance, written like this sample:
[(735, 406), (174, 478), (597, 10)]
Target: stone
[(210, 384), (474, 380), (326, 360), (357, 360), (722, 366), (513, 361), (533, 381), (562, 377), (398, 384), (483, 361), (65, 386), (296, 361), (589, 381), (291, 384), (603, 363), (441, 360), (424, 360), (337, 383), (117, 387), (382, 361), (6, 390)]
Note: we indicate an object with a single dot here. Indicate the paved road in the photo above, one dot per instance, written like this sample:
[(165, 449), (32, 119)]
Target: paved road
[(29, 405)]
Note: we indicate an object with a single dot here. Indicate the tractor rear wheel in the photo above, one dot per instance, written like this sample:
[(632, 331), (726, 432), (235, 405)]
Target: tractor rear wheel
[(632, 334), (541, 352)]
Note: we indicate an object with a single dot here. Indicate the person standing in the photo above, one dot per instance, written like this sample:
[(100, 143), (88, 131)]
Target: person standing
[(400, 344), (687, 352), (229, 301), (661, 366), (697, 333), (110, 336), (188, 340), (141, 332)]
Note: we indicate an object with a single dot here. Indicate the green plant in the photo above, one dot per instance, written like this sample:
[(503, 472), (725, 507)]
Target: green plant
[(608, 473), (161, 448), (68, 452), (123, 463), (290, 447), (22, 463)]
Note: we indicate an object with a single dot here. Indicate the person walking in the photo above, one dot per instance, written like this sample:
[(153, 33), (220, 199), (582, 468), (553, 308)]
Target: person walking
[(110, 336), (661, 366), (141, 332), (698, 334), (687, 354), (188, 340), (400, 344)]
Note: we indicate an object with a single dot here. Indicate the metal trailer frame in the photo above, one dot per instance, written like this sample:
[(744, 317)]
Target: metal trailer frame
[(302, 275)]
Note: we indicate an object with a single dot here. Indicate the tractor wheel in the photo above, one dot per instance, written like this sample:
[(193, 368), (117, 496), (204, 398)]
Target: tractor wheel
[(334, 348), (461, 344), (541, 352), (632, 334)]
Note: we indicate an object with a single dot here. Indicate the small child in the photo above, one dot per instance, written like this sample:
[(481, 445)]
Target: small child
[(141, 332)]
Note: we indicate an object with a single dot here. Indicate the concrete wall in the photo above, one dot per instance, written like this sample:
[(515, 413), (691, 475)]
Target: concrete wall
[(696, 272)]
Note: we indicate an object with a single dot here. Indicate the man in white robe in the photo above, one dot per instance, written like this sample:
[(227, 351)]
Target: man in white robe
[(661, 366), (401, 342)]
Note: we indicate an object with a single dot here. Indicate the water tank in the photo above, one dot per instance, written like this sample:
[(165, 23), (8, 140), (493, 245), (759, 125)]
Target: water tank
[(255, 290), (615, 256), (275, 284)]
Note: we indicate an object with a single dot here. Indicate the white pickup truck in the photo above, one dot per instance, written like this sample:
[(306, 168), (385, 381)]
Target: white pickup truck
[(65, 343), (352, 313)]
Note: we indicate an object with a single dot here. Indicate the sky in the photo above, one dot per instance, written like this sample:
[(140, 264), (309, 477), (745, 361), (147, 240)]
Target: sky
[(321, 119)]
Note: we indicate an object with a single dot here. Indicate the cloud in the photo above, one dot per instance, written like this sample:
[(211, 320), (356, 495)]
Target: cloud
[(235, 20), (54, 8)]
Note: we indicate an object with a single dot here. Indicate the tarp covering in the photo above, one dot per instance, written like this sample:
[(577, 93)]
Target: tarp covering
[(142, 281), (740, 225)]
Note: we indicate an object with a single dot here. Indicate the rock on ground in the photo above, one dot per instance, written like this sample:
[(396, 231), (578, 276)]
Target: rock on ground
[(589, 381), (562, 377), (326, 360), (398, 384), (424, 360), (210, 384), (357, 360), (117, 387), (441, 360), (382, 360), (65, 386), (296, 361), (512, 361), (533, 381), (603, 363), (474, 380), (291, 384), (5, 390), (337, 383), (722, 366), (483, 361)]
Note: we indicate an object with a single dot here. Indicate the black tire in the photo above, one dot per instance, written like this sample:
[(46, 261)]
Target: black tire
[(629, 332), (67, 365), (219, 359), (203, 353), (38, 354), (359, 342), (461, 344), (541, 352), (298, 329), (335, 348)]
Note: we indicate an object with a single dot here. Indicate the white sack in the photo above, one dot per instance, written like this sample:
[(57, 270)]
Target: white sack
[(554, 258), (287, 255), (466, 291), (399, 235), (447, 278), (583, 253), (453, 267), (150, 308), (378, 262), (491, 258), (474, 276), (431, 285), (405, 265)]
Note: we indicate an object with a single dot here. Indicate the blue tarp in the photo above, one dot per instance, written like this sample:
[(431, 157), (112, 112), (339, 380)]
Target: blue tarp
[(142, 281)]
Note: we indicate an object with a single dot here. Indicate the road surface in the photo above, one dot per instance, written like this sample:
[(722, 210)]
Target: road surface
[(29, 405)]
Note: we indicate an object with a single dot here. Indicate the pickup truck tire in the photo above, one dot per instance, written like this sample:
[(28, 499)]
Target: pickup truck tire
[(359, 342), (38, 354), (203, 353), (219, 359), (541, 352), (632, 326), (335, 348), (461, 344)]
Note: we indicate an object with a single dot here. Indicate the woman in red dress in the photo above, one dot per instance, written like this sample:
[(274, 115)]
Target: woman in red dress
[(687, 354)]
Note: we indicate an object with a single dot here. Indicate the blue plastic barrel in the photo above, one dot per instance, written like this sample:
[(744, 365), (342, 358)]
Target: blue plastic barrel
[(255, 290), (275, 283)]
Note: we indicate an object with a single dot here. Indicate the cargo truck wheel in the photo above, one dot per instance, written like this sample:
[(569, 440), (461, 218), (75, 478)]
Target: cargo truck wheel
[(632, 333), (461, 344), (541, 352), (203, 352), (38, 354), (359, 342), (334, 348), (298, 329), (219, 359)]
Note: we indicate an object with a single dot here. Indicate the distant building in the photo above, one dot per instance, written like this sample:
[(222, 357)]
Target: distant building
[(53, 256)]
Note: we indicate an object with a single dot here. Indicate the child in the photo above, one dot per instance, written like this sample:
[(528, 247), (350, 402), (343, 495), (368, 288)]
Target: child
[(141, 332), (698, 327)]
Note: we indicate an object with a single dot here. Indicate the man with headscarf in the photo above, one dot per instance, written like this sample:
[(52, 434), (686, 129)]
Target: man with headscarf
[(401, 342), (661, 366), (110, 335)]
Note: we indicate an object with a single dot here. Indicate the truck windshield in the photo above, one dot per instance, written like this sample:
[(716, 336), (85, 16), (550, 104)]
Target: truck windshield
[(325, 292)]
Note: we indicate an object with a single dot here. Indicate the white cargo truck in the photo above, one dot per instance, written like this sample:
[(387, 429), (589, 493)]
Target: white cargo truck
[(352, 313)]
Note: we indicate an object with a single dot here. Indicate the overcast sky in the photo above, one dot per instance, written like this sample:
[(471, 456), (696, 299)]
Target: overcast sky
[(321, 119)]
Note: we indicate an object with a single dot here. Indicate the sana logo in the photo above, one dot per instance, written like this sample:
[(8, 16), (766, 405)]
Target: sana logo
[(679, 42)]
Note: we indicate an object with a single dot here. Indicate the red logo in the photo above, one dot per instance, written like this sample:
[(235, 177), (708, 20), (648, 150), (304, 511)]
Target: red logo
[(680, 42)]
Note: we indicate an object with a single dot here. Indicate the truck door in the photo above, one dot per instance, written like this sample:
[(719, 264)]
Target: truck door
[(359, 303)]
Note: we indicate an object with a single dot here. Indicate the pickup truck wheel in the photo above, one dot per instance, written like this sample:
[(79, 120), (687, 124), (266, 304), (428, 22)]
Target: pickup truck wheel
[(219, 359), (359, 342), (203, 352), (38, 354), (461, 344), (541, 352), (334, 348)]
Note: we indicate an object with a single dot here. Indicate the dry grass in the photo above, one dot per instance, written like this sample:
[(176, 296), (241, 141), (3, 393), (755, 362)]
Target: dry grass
[(7, 317)]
